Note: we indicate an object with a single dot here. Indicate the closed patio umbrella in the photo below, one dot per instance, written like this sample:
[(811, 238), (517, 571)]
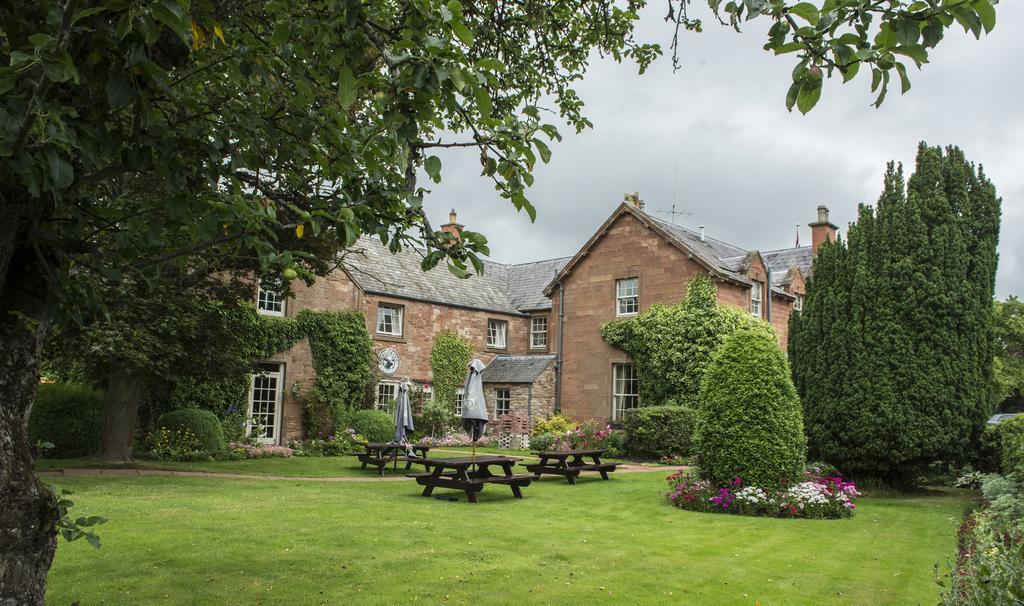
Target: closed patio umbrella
[(403, 415), (474, 409)]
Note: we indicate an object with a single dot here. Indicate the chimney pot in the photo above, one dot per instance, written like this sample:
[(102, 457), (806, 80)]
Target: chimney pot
[(634, 200), (822, 214), (451, 227), (822, 230)]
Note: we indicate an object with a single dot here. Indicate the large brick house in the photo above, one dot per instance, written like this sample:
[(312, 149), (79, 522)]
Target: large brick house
[(535, 325)]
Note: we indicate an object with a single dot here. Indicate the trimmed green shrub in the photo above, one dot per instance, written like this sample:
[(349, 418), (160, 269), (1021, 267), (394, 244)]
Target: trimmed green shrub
[(749, 424), (988, 457), (542, 441), (203, 424), (659, 431), (69, 416), (374, 425), (1011, 433), (555, 424)]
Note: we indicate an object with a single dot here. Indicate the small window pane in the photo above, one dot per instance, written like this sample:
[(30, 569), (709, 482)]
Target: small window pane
[(502, 402), (268, 298), (389, 320), (627, 296), (538, 333), (496, 330), (386, 394), (756, 295), (625, 390)]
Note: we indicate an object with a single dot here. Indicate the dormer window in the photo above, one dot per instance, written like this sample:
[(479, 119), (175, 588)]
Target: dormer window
[(756, 298)]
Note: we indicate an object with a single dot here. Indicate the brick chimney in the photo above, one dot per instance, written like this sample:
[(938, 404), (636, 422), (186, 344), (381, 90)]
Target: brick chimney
[(634, 200), (822, 230), (451, 227)]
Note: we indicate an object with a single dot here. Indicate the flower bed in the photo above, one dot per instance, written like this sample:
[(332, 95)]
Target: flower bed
[(590, 436), (259, 451), (345, 443), (458, 439), (818, 496)]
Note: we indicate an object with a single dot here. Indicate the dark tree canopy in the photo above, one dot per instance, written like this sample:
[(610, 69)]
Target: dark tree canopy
[(163, 141), (892, 353)]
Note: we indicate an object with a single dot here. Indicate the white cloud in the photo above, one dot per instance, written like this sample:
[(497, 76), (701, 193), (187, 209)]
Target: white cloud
[(748, 169)]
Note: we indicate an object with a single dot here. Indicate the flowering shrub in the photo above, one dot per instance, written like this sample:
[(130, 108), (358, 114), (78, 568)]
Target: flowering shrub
[(458, 438), (175, 445), (346, 443), (818, 496), (590, 436), (260, 451), (556, 424)]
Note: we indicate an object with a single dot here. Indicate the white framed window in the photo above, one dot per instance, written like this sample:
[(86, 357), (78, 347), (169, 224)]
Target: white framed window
[(459, 393), (756, 297), (625, 390), (496, 333), (538, 332), (389, 319), (268, 296), (265, 403), (799, 303), (627, 296), (502, 402), (387, 391)]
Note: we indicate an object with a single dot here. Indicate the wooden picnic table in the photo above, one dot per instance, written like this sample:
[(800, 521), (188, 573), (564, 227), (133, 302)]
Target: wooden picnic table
[(556, 462), (379, 454), (470, 474)]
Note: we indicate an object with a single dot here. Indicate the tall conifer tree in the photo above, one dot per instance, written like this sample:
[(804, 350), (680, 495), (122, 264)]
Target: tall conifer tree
[(892, 354)]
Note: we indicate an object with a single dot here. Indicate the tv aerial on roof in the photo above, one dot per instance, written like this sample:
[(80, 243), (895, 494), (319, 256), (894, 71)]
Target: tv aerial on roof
[(672, 213)]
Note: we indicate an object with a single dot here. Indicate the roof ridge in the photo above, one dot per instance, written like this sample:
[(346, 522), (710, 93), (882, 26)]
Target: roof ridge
[(695, 233)]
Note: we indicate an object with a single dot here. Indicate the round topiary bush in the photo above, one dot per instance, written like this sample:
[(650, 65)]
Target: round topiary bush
[(749, 422), (203, 423), (69, 416), (659, 431), (374, 425)]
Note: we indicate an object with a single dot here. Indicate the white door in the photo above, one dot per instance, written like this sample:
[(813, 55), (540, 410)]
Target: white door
[(265, 402)]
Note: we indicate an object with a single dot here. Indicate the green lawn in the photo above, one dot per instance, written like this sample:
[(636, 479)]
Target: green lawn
[(314, 467), (217, 541)]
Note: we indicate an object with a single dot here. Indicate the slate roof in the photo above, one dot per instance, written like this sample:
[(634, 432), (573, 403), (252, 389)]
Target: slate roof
[(516, 369), (784, 258), (526, 283), (376, 270), (519, 288)]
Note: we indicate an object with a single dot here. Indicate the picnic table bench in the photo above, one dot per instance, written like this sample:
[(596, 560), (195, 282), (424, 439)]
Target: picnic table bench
[(556, 462), (470, 475), (379, 454)]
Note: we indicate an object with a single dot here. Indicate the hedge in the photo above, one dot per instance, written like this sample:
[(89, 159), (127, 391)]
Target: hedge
[(374, 425), (1011, 436), (69, 416), (750, 424), (203, 423), (659, 431)]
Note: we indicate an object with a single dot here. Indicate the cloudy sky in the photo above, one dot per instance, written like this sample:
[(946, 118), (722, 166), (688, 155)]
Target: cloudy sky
[(746, 168)]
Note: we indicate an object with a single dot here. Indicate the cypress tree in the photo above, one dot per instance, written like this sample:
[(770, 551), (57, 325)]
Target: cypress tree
[(892, 354)]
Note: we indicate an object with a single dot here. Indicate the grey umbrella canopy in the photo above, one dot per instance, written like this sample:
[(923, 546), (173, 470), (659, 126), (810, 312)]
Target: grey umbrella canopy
[(403, 415), (474, 409)]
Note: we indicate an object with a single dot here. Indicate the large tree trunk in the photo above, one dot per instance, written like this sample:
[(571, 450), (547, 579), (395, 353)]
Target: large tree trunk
[(27, 514), (120, 413)]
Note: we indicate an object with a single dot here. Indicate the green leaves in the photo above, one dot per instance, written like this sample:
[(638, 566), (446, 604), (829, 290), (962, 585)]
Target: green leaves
[(839, 36), (806, 11), (433, 167)]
